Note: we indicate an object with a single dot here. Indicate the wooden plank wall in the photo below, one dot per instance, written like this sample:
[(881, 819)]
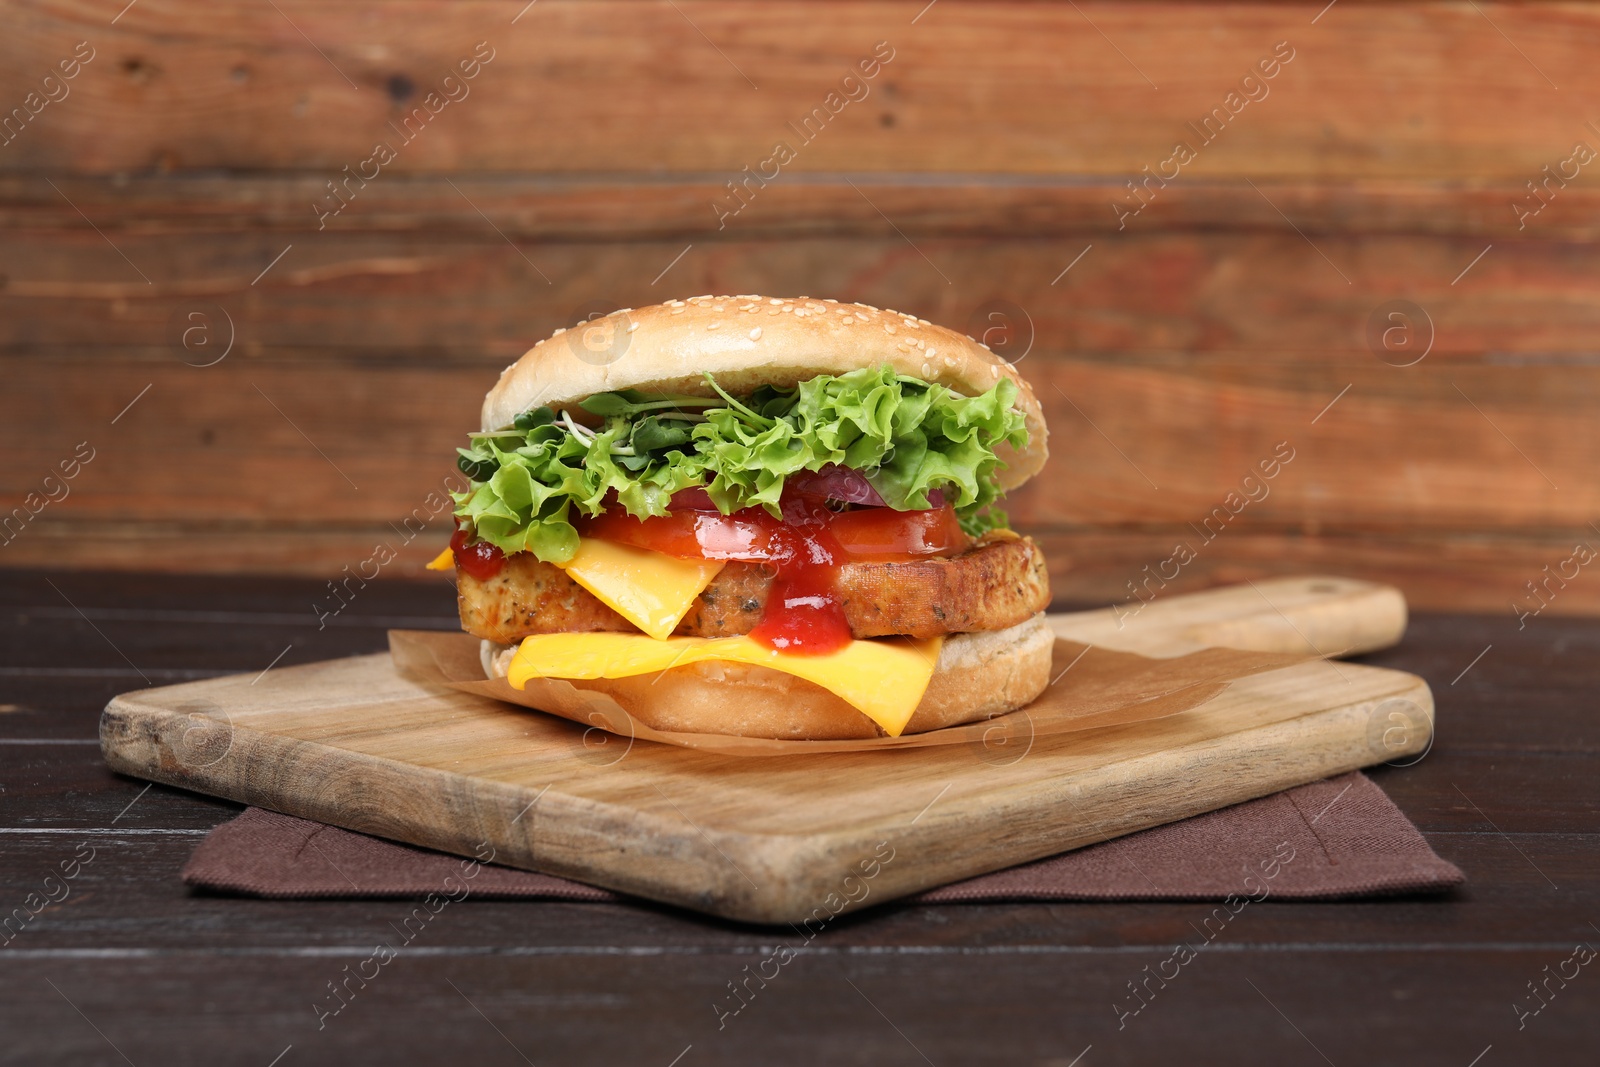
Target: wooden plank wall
[(176, 189)]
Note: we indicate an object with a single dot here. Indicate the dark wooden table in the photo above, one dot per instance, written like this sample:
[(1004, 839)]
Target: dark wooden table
[(129, 966)]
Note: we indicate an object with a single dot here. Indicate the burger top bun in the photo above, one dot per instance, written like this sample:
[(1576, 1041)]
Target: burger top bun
[(749, 341)]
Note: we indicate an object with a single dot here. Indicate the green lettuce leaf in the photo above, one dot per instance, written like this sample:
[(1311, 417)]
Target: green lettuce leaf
[(907, 436)]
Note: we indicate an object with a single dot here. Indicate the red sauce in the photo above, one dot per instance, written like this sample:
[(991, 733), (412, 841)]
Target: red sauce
[(479, 559), (804, 612)]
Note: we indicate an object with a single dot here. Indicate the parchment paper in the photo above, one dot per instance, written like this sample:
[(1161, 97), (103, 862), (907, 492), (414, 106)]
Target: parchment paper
[(1093, 687)]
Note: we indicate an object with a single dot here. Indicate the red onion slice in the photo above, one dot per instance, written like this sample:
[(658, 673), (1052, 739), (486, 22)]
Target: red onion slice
[(693, 498), (837, 483), (849, 487), (840, 484)]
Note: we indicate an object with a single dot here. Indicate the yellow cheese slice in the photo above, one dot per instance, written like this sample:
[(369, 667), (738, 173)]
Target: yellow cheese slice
[(443, 561), (651, 590), (883, 677)]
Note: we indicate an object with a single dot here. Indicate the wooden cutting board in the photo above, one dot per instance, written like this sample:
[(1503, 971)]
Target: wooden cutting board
[(350, 742)]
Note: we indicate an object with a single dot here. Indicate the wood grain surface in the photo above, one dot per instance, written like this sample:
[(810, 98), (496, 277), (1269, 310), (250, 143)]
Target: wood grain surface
[(350, 742), (132, 961), (1316, 615), (1414, 151), (1103, 88)]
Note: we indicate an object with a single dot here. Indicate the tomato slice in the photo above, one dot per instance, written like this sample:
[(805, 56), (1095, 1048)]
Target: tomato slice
[(744, 535), (886, 534), (804, 613), (754, 535)]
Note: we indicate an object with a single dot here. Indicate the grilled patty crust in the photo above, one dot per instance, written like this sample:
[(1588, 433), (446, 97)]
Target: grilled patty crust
[(999, 582)]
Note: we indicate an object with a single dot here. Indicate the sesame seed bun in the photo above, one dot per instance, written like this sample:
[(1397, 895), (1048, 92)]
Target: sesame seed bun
[(748, 341)]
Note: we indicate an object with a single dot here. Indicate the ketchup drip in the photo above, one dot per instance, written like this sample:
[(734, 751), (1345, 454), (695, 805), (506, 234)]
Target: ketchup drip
[(803, 550), (803, 612), (479, 559)]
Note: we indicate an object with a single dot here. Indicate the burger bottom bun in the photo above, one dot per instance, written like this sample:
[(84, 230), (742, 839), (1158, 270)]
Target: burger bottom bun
[(978, 676)]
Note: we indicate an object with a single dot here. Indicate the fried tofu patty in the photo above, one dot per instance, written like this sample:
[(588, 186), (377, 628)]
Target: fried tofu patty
[(998, 583)]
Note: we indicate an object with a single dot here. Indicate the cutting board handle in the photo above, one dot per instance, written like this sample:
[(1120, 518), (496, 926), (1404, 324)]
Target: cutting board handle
[(1317, 615)]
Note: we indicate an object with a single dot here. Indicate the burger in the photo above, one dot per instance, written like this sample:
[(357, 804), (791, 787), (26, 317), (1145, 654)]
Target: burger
[(754, 516)]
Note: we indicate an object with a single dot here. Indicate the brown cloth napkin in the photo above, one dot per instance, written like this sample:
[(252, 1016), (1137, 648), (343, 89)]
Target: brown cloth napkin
[(1340, 837)]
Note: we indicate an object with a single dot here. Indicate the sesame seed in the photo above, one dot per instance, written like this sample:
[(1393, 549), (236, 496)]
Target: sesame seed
[(632, 326), (774, 300), (847, 320), (677, 311), (887, 328), (559, 331), (755, 334), (712, 325)]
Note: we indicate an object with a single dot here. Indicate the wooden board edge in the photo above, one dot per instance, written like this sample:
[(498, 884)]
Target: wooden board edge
[(723, 873), (1310, 614), (1379, 730), (361, 793)]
